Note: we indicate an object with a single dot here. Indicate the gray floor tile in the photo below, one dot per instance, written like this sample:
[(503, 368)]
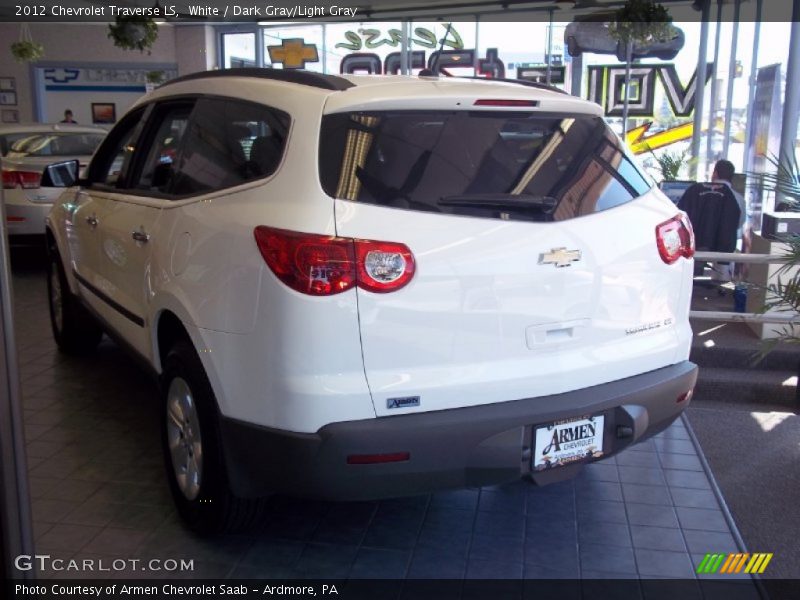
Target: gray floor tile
[(647, 494), (552, 552), (64, 537), (600, 490), (498, 501), (462, 499), (380, 563), (701, 518), (651, 514), (686, 462), (449, 519), (609, 534), (668, 564), (701, 542), (601, 472), (641, 475), (112, 541), (271, 553), (604, 558), (657, 538), (329, 561), (601, 510), (556, 571), (394, 530), (436, 564), (694, 498), (491, 569), (500, 524), (686, 479), (666, 445), (495, 548), (637, 459)]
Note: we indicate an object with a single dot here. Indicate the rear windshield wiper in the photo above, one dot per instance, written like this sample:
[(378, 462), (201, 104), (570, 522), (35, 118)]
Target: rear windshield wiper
[(501, 201)]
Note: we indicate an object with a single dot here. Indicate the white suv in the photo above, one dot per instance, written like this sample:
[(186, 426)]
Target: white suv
[(363, 287)]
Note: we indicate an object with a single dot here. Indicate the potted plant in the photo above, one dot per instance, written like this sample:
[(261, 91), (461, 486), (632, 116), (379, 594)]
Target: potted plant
[(669, 164), (155, 77), (638, 22), (26, 50), (133, 33)]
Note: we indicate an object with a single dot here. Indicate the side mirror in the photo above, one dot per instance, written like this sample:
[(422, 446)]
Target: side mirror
[(61, 174)]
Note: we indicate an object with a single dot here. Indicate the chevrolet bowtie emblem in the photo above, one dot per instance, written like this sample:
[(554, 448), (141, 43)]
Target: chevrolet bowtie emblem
[(560, 257)]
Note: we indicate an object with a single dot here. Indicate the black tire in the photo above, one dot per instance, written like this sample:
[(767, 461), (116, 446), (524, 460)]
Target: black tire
[(74, 329), (205, 503)]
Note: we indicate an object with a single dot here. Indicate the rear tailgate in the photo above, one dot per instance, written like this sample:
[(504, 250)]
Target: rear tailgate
[(567, 292)]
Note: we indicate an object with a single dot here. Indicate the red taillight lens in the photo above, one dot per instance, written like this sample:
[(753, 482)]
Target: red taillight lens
[(383, 266), (322, 265), (23, 179), (318, 265), (502, 102), (675, 238)]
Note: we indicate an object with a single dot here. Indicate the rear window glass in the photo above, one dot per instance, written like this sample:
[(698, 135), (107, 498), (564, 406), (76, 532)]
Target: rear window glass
[(56, 144), (525, 166)]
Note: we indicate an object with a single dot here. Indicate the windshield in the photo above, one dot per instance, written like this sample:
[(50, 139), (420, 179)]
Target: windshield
[(56, 144), (508, 165)]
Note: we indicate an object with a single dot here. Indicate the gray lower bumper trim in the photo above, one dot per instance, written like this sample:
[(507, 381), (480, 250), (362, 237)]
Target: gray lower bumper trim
[(471, 446)]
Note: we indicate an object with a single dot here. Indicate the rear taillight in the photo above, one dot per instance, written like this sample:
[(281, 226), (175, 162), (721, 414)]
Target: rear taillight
[(23, 179), (383, 266), (675, 238), (322, 265)]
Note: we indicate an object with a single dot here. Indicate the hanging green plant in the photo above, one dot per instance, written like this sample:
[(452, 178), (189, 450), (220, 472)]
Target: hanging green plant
[(26, 50), (133, 33), (641, 22)]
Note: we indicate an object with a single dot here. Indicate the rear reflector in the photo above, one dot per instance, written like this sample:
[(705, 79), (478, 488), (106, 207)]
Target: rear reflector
[(373, 459), (675, 238), (502, 102), (21, 179), (15, 219), (321, 265), (684, 397)]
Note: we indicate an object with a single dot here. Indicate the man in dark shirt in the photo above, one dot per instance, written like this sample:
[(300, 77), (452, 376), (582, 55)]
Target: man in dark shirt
[(714, 211), (68, 117)]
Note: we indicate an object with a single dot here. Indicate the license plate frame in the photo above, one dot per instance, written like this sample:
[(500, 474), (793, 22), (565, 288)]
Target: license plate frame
[(568, 441)]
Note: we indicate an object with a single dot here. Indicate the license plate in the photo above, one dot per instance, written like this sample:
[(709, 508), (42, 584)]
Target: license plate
[(568, 441)]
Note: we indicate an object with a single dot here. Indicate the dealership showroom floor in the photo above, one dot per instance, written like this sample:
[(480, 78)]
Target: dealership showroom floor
[(99, 491)]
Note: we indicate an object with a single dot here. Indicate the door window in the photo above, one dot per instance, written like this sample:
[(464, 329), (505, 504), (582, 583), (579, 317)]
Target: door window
[(230, 142), (113, 158), (167, 129)]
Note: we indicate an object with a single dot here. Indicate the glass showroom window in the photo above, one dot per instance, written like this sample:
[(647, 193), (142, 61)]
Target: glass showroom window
[(238, 50)]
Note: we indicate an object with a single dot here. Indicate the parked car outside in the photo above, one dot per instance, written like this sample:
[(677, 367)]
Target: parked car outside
[(26, 151), (365, 287)]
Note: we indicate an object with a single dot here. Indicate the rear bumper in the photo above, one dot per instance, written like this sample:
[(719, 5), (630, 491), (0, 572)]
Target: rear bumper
[(23, 217), (465, 447)]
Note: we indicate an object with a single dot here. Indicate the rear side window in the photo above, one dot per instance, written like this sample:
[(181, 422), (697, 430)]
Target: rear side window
[(227, 143), (525, 166)]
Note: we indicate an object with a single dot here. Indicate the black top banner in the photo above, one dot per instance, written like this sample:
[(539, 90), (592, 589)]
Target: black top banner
[(298, 11)]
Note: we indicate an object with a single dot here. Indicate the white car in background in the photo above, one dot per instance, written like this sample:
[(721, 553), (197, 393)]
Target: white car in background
[(365, 287), (26, 151)]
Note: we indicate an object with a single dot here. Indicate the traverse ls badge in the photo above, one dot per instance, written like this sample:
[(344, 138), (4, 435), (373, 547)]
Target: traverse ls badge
[(560, 257)]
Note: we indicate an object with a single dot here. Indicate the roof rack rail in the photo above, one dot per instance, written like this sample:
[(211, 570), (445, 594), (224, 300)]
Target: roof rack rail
[(310, 78), (533, 84)]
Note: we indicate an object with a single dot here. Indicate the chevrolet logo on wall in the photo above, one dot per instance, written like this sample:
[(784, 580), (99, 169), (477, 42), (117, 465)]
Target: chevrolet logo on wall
[(293, 53), (560, 257)]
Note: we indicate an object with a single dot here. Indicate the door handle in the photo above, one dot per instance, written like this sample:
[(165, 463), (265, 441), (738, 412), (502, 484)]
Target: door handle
[(140, 236), (92, 220)]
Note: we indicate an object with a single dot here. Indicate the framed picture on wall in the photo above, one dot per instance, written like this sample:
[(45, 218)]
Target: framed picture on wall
[(9, 115), (104, 112), (7, 83), (8, 98)]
